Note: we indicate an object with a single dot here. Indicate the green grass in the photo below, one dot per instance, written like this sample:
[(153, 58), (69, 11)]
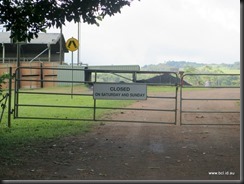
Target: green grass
[(32, 129), (25, 131)]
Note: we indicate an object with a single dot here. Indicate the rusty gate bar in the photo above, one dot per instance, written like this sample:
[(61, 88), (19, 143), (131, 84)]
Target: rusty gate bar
[(182, 111)]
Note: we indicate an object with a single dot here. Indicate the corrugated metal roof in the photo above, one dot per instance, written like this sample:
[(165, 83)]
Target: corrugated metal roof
[(43, 38)]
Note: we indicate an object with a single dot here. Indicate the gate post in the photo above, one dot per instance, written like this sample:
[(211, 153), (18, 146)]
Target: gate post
[(9, 97), (95, 104), (181, 85)]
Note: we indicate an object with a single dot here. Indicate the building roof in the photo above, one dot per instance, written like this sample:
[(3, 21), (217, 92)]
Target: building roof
[(116, 67), (43, 38)]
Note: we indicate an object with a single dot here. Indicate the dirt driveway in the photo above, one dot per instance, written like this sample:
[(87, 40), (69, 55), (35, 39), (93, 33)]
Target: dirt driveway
[(136, 151)]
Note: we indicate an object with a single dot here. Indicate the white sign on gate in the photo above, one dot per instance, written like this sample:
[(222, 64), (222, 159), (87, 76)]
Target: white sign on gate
[(120, 91)]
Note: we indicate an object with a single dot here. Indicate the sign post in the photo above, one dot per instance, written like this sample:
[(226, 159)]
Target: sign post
[(72, 45)]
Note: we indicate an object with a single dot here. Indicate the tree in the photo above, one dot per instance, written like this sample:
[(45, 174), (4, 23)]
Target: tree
[(26, 18), (3, 77)]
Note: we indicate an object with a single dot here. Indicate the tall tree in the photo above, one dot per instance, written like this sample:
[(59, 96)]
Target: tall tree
[(26, 18)]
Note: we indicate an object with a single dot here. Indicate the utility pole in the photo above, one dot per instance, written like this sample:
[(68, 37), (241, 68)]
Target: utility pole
[(60, 46), (78, 53)]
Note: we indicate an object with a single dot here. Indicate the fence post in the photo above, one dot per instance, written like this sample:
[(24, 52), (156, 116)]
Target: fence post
[(41, 75), (9, 97)]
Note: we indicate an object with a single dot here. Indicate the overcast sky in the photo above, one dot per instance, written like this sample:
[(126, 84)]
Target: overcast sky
[(156, 31)]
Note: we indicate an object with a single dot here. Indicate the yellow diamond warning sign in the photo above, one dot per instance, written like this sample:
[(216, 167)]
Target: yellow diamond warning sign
[(72, 44)]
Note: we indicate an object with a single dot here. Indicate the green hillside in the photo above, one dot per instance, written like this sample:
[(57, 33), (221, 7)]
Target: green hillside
[(193, 67)]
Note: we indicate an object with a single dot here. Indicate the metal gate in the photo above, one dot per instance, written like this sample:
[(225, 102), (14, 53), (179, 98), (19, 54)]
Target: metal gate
[(160, 88), (217, 90), (82, 89)]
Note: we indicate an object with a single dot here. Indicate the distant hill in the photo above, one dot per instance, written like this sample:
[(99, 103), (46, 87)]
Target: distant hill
[(181, 65)]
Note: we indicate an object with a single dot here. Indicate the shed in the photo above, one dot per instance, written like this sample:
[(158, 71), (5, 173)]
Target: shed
[(46, 47), (90, 69)]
